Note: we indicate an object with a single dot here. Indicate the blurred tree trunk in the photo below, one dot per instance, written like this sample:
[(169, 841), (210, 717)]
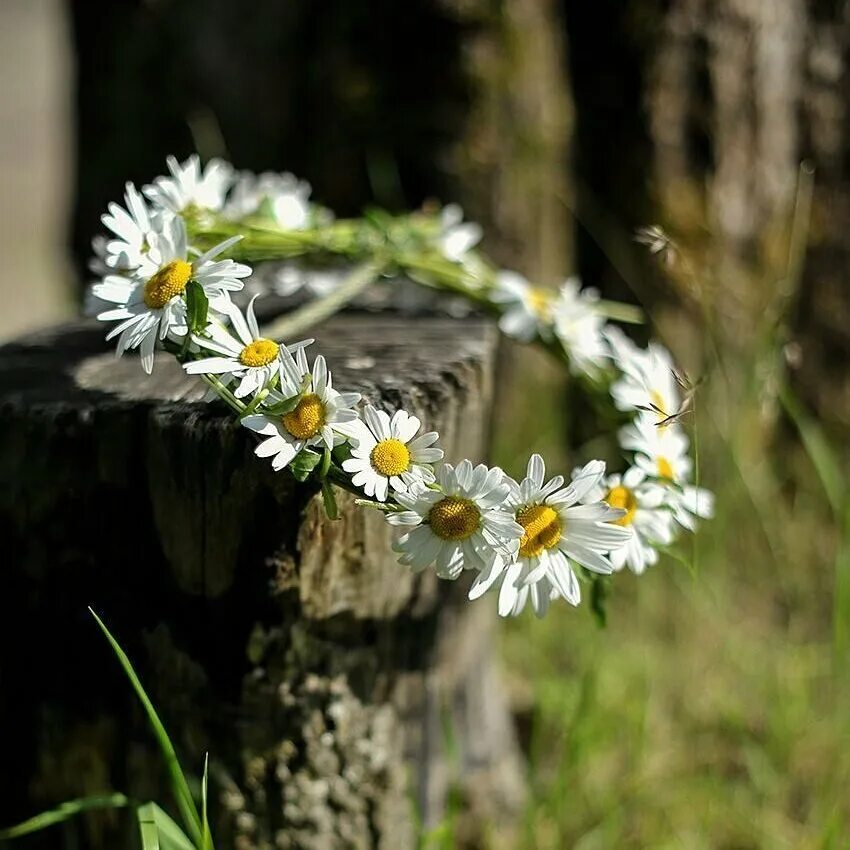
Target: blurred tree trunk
[(513, 155), (719, 101), (740, 94)]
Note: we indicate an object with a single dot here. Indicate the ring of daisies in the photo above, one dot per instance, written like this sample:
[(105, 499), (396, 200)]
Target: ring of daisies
[(177, 251)]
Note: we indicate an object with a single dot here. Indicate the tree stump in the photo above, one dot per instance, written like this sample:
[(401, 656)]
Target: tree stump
[(340, 697)]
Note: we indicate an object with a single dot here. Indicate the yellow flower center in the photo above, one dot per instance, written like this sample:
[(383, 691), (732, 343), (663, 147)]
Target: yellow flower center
[(658, 400), (622, 497), (665, 468), (390, 457), (454, 518), (542, 529), (307, 419), (541, 302), (260, 352), (169, 281)]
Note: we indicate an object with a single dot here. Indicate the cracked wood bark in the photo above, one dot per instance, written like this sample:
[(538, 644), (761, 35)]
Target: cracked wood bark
[(315, 670)]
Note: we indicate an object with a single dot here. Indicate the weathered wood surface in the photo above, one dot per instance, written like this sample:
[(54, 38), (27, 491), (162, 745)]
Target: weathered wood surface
[(316, 671)]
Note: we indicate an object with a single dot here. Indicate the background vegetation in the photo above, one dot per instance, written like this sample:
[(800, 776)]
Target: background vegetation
[(712, 710)]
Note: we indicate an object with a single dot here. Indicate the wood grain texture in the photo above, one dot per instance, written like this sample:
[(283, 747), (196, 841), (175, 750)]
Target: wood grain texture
[(316, 671)]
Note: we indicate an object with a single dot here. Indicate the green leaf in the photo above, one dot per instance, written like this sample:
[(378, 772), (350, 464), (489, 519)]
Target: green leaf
[(328, 497), (179, 786), (282, 407), (206, 837), (599, 600), (326, 464), (342, 453), (197, 307), (303, 464), (841, 593), (147, 827), (64, 812), (377, 219), (265, 209), (169, 834)]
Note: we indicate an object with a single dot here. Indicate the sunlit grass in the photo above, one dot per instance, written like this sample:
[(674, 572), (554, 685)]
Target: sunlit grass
[(704, 715)]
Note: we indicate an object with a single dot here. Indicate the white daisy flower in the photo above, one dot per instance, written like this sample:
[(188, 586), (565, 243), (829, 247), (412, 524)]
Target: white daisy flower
[(623, 349), (528, 310), (540, 594), (646, 517), (97, 263), (287, 196), (557, 529), (291, 205), (101, 264), (648, 381), (151, 303), (292, 277), (690, 504), (190, 187), (131, 227), (288, 279), (461, 525), (662, 453), (249, 358), (321, 418), (579, 325), (387, 453), (457, 237), (92, 305)]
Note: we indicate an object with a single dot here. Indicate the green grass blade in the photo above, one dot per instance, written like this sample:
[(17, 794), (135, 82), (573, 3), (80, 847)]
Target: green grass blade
[(817, 447), (841, 595), (64, 812), (179, 785), (168, 833), (147, 827), (826, 463), (206, 835)]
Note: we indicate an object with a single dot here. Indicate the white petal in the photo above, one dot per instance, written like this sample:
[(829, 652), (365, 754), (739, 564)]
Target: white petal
[(508, 593), (261, 424), (536, 470)]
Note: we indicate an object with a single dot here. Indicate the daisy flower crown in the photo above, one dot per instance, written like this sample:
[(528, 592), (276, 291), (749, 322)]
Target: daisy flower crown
[(180, 248)]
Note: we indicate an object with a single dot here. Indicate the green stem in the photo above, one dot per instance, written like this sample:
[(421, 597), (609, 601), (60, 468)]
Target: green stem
[(383, 507), (225, 394), (628, 314), (317, 311), (259, 398)]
